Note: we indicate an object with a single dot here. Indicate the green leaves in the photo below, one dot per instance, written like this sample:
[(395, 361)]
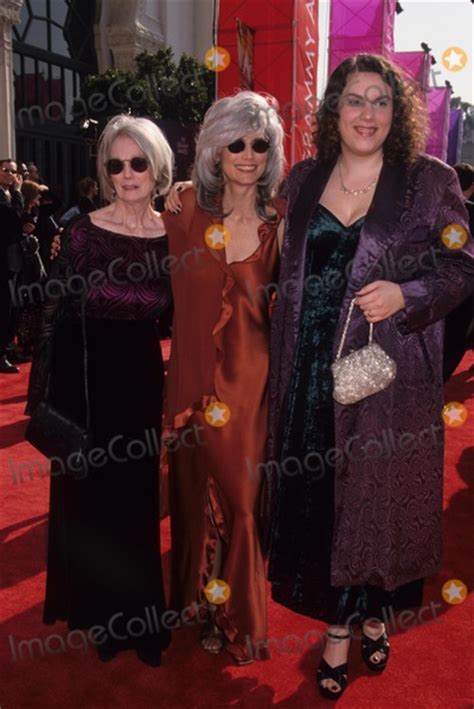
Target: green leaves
[(158, 89)]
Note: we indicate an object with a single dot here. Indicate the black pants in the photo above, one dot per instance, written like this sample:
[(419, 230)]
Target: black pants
[(8, 311)]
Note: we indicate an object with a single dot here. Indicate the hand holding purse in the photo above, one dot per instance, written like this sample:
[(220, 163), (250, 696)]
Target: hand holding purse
[(363, 372)]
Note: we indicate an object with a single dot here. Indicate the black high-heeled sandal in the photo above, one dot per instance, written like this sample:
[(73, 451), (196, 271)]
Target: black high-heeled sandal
[(369, 647), (337, 674)]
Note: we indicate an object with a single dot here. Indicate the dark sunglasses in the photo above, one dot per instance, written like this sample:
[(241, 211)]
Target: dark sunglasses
[(8, 169), (115, 166), (258, 146)]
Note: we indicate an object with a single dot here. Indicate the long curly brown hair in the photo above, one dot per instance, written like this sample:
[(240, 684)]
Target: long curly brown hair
[(407, 136)]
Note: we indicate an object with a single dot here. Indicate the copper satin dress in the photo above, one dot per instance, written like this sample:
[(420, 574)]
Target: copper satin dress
[(220, 352)]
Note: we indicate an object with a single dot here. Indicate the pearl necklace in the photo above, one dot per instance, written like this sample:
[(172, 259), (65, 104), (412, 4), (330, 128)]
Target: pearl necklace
[(355, 193)]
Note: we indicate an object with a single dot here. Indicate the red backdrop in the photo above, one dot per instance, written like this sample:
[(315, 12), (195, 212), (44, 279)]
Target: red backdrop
[(285, 60)]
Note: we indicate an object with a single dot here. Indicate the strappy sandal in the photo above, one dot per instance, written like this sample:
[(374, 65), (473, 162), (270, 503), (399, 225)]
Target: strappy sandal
[(369, 647), (211, 632), (243, 661), (337, 674)]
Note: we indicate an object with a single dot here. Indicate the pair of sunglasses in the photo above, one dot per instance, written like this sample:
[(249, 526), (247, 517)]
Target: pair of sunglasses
[(115, 166), (258, 146)]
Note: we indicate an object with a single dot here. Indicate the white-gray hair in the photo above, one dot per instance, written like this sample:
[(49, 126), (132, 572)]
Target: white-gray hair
[(229, 119), (152, 142)]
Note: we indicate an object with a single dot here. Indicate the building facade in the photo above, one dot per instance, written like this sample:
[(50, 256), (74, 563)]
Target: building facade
[(48, 47)]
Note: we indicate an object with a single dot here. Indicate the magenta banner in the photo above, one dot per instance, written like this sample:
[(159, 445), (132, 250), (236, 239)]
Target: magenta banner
[(438, 109), (360, 26), (455, 135), (416, 65)]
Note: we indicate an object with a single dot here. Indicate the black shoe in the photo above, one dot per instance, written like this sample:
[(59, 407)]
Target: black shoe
[(149, 655), (337, 674), (370, 647), (107, 650), (6, 367)]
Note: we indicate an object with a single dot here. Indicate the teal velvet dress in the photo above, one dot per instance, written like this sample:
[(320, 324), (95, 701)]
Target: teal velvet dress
[(300, 560)]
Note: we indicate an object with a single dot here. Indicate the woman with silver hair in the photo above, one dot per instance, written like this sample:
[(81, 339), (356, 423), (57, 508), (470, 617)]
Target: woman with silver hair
[(102, 363), (217, 381)]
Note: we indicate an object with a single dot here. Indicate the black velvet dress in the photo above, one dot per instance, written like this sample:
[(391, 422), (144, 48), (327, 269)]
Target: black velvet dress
[(300, 562), (104, 565)]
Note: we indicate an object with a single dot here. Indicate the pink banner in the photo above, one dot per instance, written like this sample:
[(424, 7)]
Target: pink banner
[(455, 135), (438, 109), (360, 26), (305, 78), (416, 65)]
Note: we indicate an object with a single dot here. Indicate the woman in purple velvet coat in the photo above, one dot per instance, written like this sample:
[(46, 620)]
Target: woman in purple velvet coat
[(356, 511)]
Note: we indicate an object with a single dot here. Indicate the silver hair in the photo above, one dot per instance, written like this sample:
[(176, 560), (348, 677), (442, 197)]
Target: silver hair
[(227, 120), (153, 144)]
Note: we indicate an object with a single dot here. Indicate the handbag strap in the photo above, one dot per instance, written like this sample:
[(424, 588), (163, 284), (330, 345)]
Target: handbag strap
[(346, 327), (85, 360), (42, 269)]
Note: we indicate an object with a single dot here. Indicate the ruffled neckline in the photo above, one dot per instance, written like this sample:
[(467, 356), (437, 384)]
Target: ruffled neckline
[(265, 231)]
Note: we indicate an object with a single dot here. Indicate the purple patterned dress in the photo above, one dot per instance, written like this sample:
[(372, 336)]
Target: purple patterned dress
[(104, 548)]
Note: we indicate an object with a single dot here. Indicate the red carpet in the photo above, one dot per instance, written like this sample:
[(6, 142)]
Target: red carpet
[(429, 666)]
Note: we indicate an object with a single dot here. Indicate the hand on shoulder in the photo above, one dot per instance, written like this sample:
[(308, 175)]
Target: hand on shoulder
[(173, 201)]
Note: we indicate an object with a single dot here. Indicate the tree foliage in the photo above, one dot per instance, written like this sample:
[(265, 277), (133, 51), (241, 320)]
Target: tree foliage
[(158, 88)]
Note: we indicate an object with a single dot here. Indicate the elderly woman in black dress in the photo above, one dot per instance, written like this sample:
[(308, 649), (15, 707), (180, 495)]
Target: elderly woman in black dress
[(104, 567)]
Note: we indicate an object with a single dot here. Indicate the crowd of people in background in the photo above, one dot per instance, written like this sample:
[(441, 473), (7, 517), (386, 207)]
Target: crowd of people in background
[(31, 215)]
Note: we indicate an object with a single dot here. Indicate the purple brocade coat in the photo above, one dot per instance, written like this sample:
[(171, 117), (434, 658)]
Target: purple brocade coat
[(389, 447)]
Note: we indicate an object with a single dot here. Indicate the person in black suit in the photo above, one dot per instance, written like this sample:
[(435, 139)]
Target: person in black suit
[(465, 173), (11, 209), (459, 324)]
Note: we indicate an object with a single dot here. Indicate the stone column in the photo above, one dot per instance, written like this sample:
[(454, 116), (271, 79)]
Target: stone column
[(126, 29), (9, 15), (203, 39)]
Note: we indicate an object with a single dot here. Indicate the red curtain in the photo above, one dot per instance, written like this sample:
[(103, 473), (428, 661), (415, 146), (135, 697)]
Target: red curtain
[(285, 59)]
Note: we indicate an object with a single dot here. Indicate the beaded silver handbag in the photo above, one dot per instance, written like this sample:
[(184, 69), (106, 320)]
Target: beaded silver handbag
[(363, 372)]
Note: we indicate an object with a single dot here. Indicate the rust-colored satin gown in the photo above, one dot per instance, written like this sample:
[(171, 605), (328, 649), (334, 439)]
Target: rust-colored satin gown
[(219, 352)]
